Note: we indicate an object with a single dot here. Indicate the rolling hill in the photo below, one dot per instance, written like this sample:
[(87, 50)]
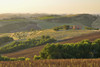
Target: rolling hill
[(35, 50), (59, 35), (10, 23), (96, 23)]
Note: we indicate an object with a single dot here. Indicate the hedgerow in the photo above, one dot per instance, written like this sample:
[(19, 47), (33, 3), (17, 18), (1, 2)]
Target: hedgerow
[(4, 58)]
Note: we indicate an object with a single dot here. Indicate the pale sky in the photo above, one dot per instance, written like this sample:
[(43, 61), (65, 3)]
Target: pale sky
[(50, 6)]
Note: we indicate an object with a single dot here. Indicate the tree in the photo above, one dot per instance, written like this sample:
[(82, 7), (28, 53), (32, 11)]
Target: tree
[(66, 27), (45, 37), (56, 29), (36, 57)]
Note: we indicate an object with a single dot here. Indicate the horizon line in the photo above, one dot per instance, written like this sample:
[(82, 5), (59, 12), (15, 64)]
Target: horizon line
[(51, 13)]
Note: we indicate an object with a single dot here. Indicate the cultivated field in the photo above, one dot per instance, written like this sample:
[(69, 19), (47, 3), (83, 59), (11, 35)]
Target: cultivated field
[(53, 63)]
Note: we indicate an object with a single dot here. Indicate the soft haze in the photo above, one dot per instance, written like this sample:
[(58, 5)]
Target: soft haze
[(50, 6)]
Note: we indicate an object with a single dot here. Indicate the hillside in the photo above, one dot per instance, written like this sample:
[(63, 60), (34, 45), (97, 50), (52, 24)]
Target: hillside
[(84, 19), (59, 35), (96, 23), (25, 22), (35, 50)]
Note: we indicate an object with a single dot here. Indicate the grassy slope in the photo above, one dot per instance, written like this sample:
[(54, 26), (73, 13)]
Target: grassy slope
[(96, 23), (17, 25), (59, 35), (48, 24), (83, 19)]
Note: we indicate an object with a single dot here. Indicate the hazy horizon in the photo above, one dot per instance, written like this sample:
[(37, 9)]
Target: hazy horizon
[(50, 6)]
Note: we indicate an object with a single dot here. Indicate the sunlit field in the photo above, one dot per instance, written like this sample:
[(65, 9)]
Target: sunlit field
[(59, 35), (53, 63)]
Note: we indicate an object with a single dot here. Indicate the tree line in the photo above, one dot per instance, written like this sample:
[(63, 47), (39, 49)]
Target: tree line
[(74, 27), (4, 58), (65, 27), (91, 28), (83, 49), (19, 45)]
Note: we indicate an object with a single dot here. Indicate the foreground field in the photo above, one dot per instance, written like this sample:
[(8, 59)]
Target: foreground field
[(35, 50), (53, 63)]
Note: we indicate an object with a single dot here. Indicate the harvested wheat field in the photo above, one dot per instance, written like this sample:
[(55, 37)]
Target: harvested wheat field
[(53, 63)]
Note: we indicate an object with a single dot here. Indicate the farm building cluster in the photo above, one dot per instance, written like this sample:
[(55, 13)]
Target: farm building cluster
[(68, 27), (76, 27)]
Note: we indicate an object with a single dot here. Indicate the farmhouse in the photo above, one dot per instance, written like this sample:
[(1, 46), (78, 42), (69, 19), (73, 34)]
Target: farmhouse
[(76, 27)]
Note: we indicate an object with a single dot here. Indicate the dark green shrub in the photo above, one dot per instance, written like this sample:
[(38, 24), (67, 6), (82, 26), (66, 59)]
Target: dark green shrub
[(91, 28), (4, 58), (66, 27), (27, 59), (13, 59), (36, 57), (83, 49), (56, 29), (19, 45), (21, 58)]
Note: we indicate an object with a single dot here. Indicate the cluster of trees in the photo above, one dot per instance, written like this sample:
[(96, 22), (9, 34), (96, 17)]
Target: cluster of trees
[(5, 39), (65, 27), (91, 28), (83, 49), (4, 58), (19, 45)]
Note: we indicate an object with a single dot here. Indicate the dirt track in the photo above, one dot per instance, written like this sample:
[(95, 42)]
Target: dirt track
[(35, 50)]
